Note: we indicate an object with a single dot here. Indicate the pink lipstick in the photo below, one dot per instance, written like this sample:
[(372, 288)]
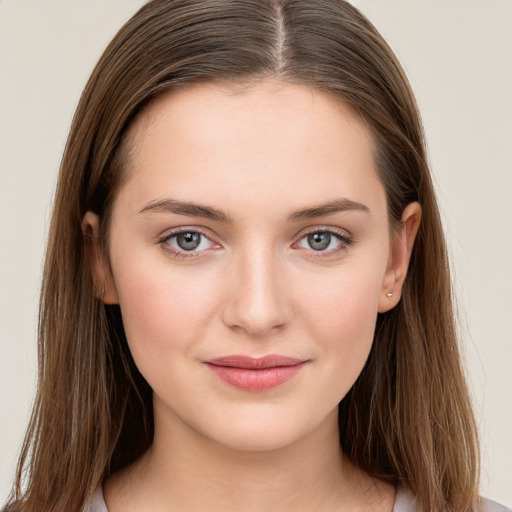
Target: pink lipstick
[(255, 374)]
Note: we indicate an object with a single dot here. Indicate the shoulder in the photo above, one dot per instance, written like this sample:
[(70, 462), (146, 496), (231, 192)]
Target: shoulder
[(406, 502), (97, 503), (491, 506)]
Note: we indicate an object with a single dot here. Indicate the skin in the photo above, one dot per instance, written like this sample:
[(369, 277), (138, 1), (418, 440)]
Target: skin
[(254, 286)]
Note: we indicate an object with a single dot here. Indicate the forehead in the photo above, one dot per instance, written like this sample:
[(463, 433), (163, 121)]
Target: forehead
[(269, 138), (268, 104)]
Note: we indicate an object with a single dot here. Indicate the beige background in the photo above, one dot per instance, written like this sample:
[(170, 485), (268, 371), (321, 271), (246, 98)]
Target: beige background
[(458, 55)]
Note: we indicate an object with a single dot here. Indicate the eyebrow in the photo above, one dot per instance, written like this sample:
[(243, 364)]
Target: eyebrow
[(195, 210), (341, 204), (186, 208)]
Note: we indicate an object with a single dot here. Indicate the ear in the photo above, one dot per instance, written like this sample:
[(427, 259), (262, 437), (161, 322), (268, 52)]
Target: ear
[(402, 243), (98, 263)]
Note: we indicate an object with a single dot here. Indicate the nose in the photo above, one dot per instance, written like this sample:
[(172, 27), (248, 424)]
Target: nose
[(258, 297)]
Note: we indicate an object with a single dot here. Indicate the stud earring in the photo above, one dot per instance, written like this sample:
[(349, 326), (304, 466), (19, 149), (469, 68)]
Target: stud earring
[(389, 295)]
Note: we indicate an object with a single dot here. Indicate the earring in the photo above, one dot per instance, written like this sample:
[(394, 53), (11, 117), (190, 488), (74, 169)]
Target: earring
[(389, 295)]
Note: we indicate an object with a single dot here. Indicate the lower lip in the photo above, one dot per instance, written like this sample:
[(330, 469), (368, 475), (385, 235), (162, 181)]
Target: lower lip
[(258, 379)]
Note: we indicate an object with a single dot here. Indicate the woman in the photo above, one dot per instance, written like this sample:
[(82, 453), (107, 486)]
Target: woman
[(239, 309)]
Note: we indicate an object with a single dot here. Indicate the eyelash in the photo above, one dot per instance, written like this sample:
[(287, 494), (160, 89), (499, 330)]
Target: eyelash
[(164, 243), (345, 241), (343, 237)]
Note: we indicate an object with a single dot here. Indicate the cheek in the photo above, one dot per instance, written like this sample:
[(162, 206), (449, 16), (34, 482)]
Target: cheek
[(345, 317), (341, 314), (342, 300), (165, 313)]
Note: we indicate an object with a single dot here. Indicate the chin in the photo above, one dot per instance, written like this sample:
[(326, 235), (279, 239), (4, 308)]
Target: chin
[(270, 432), (266, 441)]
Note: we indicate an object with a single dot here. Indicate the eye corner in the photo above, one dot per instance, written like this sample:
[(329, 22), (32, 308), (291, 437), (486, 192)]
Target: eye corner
[(197, 244), (332, 242)]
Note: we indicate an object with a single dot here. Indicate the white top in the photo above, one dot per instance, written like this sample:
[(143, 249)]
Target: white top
[(404, 502)]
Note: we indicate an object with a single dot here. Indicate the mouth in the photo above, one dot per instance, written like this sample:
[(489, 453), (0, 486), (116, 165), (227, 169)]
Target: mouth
[(255, 374)]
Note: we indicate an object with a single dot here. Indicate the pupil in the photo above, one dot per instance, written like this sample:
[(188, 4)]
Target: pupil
[(319, 241), (188, 241)]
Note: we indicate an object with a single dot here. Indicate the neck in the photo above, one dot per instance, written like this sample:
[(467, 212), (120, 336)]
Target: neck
[(184, 470)]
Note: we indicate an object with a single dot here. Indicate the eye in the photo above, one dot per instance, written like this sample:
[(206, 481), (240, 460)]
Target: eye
[(325, 241), (186, 242)]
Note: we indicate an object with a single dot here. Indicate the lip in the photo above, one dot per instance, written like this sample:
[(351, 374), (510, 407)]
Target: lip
[(255, 373)]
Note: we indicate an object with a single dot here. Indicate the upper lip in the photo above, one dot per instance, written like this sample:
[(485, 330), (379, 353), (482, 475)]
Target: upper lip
[(255, 363)]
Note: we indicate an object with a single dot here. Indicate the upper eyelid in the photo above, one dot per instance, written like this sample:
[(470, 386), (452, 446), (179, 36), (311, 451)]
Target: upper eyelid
[(337, 231), (324, 229), (344, 237), (305, 231), (178, 252), (168, 233)]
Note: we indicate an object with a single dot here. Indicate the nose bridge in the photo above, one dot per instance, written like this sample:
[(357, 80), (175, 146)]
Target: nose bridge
[(257, 300)]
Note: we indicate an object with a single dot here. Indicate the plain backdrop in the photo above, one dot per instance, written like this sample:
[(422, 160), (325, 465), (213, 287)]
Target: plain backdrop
[(458, 56)]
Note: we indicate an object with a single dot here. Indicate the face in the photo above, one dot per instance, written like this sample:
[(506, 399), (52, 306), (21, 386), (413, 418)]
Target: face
[(250, 254)]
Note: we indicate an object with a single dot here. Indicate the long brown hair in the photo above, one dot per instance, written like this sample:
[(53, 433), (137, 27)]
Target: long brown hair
[(408, 418)]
